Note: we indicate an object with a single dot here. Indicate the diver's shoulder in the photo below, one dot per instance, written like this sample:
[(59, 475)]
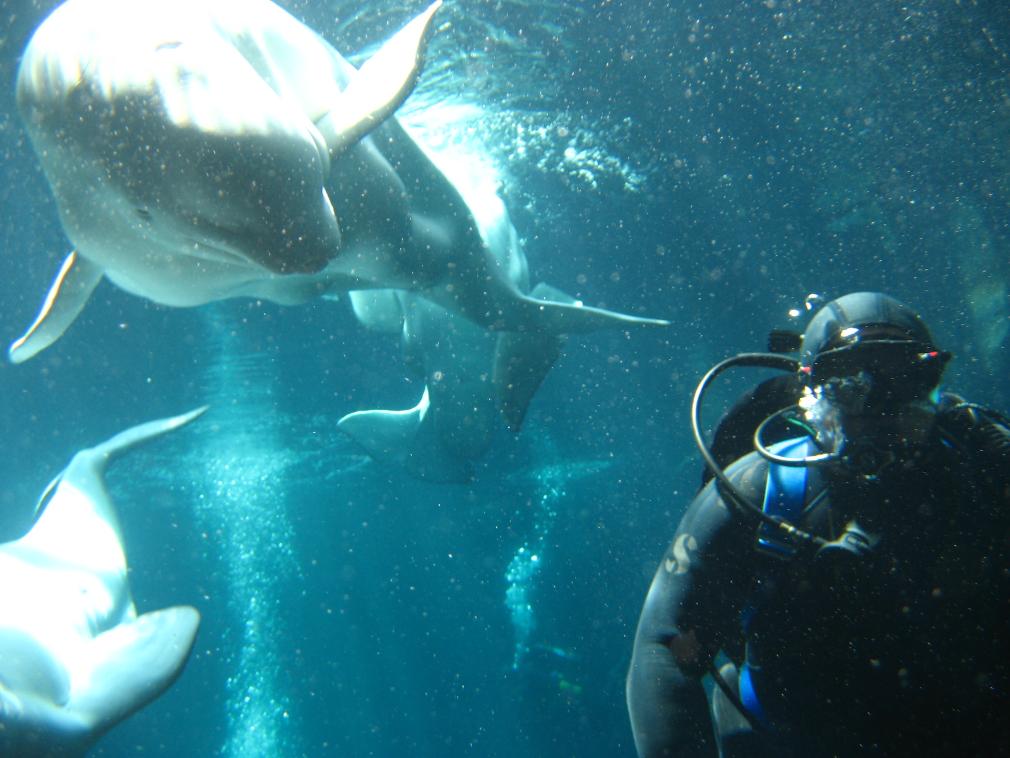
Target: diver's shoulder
[(749, 473), (975, 429), (712, 520)]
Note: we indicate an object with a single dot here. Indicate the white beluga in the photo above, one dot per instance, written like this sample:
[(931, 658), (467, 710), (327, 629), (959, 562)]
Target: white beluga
[(75, 658), (207, 149)]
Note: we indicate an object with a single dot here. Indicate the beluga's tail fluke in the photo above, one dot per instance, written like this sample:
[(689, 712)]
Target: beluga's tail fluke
[(523, 359), (549, 310)]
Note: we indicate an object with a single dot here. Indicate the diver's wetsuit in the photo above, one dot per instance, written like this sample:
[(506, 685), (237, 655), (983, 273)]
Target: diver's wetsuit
[(904, 652)]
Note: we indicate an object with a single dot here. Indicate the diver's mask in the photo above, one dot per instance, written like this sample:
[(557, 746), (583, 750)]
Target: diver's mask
[(872, 405)]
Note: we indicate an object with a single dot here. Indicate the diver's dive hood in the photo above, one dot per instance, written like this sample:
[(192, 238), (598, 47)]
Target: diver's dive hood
[(873, 333), (860, 317)]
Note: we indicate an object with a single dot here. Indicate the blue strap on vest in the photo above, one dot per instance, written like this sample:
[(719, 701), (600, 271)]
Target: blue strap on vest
[(785, 495), (749, 698)]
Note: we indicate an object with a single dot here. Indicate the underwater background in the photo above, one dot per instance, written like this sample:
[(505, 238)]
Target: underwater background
[(711, 163)]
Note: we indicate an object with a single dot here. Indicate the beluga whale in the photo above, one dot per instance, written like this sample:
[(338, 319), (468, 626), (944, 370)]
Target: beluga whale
[(206, 149), (75, 658), (475, 381)]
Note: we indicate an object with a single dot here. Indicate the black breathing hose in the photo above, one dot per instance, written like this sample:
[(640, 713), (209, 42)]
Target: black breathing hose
[(727, 489)]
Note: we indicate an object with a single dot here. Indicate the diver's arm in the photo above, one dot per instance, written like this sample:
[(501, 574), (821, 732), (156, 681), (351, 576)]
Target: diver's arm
[(689, 613)]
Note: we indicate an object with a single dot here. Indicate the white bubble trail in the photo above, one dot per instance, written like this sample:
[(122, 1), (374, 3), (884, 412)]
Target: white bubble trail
[(244, 514)]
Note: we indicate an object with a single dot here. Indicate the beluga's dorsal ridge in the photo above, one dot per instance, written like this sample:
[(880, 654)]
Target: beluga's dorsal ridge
[(75, 657), (206, 149)]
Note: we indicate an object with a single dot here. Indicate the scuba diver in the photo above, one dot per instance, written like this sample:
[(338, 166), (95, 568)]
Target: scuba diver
[(845, 584)]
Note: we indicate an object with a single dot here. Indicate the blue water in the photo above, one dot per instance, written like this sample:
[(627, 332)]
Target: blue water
[(710, 163)]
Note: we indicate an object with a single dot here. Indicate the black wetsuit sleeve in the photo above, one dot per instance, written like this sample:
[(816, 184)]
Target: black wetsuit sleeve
[(691, 611)]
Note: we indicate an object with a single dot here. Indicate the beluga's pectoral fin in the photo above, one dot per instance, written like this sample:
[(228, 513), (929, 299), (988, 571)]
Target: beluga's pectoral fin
[(379, 87), (67, 297), (131, 665)]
